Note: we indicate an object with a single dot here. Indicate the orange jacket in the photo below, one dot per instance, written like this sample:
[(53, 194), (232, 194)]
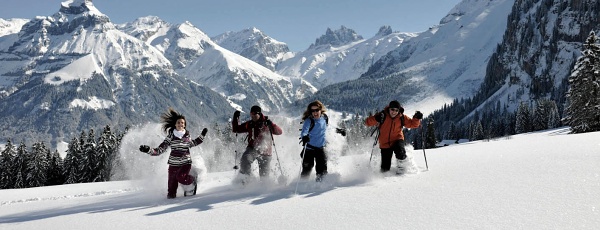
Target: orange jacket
[(391, 129)]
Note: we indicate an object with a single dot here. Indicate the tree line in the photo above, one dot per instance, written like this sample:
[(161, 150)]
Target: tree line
[(88, 159)]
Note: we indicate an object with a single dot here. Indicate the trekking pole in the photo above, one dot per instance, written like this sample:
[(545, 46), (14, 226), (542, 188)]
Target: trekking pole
[(300, 174), (374, 143), (423, 146), (276, 155), (235, 167)]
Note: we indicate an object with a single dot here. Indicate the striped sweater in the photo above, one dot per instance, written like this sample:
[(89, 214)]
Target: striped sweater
[(180, 148)]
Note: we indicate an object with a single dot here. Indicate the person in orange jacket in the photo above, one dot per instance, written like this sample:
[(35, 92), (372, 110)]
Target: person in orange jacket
[(390, 123)]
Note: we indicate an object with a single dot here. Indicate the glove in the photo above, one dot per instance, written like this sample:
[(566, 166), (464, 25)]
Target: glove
[(418, 115), (401, 110), (379, 117), (144, 148), (236, 115), (305, 139), (204, 131), (269, 123), (341, 131)]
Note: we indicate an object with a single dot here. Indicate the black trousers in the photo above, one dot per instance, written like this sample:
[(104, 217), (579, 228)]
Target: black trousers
[(310, 157), (386, 155)]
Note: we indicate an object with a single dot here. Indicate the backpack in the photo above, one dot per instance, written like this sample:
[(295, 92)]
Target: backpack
[(312, 122), (383, 116)]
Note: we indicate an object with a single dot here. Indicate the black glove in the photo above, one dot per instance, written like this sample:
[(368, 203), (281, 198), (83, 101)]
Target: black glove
[(236, 115), (341, 131), (305, 139), (204, 131), (418, 115), (401, 110), (379, 117), (144, 148), (269, 123)]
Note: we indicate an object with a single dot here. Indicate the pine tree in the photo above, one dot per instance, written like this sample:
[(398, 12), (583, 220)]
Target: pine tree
[(89, 159), (55, 170), (37, 166), (105, 151), (20, 166), (523, 122), (71, 162), (7, 173), (430, 140), (583, 110)]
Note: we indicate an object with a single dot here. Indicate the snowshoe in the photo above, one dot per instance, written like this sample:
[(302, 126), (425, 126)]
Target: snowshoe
[(190, 190)]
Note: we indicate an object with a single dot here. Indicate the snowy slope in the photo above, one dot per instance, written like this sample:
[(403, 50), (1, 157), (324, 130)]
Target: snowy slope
[(523, 182)]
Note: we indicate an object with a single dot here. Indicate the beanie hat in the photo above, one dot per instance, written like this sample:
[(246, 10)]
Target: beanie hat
[(255, 109), (394, 104)]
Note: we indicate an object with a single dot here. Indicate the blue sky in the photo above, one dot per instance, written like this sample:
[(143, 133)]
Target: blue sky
[(296, 22)]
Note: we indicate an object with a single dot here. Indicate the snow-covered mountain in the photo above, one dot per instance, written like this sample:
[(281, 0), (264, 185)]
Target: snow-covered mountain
[(341, 55), (11, 26), (76, 68), (195, 56), (541, 44), (254, 45), (445, 62)]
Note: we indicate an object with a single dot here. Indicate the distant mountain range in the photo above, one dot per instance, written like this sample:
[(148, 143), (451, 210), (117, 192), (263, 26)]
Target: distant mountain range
[(76, 69)]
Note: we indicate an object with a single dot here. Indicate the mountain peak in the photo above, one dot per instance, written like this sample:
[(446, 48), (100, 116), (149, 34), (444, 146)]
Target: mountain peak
[(384, 31), (338, 37), (79, 7)]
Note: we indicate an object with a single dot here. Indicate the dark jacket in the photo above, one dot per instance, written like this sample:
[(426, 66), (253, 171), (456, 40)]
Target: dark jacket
[(259, 133)]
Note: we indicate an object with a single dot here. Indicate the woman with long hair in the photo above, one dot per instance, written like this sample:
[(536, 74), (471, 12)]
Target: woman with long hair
[(312, 134), (180, 162)]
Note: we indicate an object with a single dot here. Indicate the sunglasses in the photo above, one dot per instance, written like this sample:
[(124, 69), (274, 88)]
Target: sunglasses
[(394, 109), (315, 110)]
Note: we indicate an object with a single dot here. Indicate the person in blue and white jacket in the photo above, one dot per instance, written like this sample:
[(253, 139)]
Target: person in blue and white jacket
[(312, 134)]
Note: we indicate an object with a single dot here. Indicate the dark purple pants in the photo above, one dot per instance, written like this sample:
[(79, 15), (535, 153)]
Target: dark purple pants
[(178, 174)]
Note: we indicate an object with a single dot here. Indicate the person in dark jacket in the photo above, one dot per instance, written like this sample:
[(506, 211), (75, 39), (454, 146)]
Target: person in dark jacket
[(390, 122), (260, 140), (314, 122), (180, 162)]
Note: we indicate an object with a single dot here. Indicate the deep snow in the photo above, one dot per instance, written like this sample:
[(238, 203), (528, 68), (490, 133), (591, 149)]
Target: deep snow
[(542, 180)]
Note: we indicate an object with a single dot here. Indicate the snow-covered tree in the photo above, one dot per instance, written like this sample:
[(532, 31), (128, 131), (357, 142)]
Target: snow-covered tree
[(583, 97), (89, 159), (7, 171), (55, 174), (523, 122), (105, 151), (20, 166), (543, 114), (37, 165), (70, 165), (430, 140)]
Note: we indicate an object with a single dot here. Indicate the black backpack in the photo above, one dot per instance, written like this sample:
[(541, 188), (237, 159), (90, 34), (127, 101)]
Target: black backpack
[(312, 122)]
